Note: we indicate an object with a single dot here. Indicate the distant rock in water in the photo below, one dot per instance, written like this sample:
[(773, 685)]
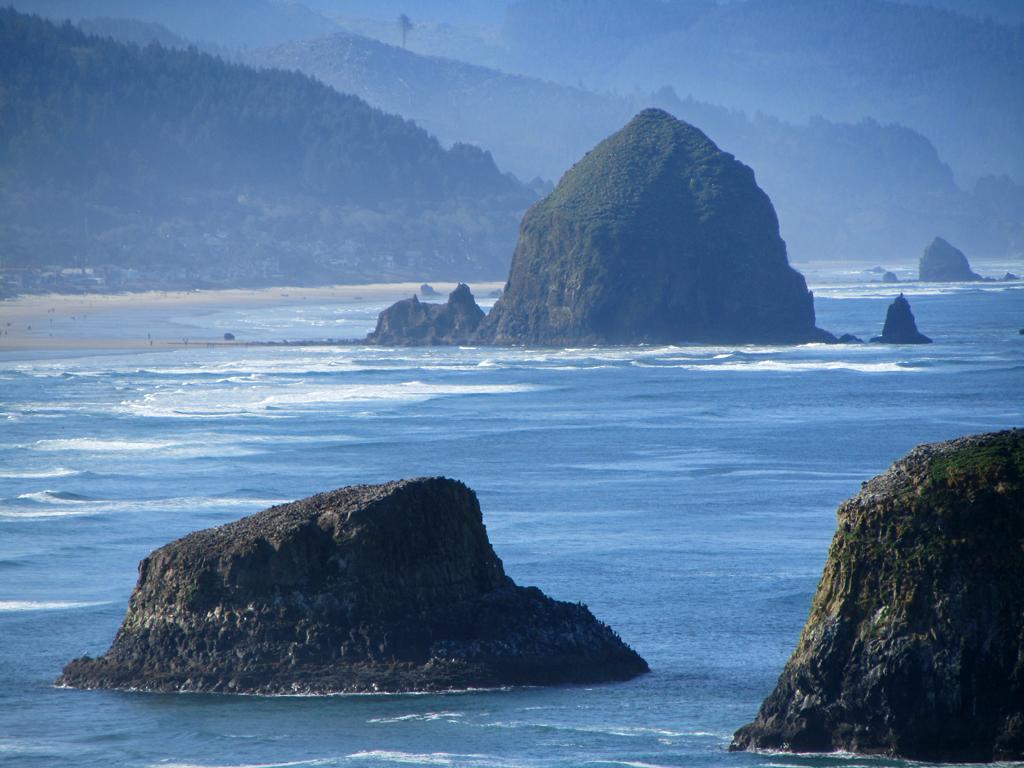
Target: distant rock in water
[(427, 291), (655, 236), (890, 277), (849, 338), (1010, 277), (942, 263), (388, 587), (914, 646), (411, 322), (900, 326)]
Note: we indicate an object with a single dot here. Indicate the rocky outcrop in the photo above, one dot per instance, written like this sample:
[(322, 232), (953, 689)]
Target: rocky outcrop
[(890, 277), (655, 236), (915, 642), (389, 587), (942, 263), (900, 326), (411, 322)]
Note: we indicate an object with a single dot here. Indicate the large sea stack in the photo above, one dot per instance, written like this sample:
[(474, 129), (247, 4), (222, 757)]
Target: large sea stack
[(655, 236), (942, 262), (915, 643), (389, 587)]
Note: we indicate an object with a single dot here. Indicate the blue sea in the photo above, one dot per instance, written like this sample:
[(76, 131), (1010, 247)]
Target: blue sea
[(686, 494)]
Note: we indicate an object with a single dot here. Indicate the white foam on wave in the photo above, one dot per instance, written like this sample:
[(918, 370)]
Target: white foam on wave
[(200, 402), (98, 445), (426, 758), (198, 446), (793, 366), (418, 716), (40, 474), (877, 290), (93, 507), (316, 761), (43, 514), (19, 606), (53, 497), (629, 731)]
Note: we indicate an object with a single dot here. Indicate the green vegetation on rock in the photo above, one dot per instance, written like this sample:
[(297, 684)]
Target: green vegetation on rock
[(655, 236), (915, 640)]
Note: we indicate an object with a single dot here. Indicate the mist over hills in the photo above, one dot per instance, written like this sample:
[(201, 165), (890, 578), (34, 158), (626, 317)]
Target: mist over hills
[(862, 191), (225, 23), (872, 124), (954, 78), (179, 165)]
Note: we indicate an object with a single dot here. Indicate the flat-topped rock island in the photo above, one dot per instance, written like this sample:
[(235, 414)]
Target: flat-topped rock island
[(391, 587)]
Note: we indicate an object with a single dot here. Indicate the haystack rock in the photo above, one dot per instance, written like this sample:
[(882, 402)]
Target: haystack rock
[(943, 263), (411, 322), (655, 236), (900, 326), (914, 647), (389, 587)]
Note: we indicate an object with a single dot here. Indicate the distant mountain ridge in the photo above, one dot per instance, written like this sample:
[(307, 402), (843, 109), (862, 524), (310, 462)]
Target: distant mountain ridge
[(173, 161), (954, 78), (856, 191)]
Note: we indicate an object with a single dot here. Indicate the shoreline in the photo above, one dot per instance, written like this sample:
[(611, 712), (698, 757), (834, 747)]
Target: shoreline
[(26, 321)]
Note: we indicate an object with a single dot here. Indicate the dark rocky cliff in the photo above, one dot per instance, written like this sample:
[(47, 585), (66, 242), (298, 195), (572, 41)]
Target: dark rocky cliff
[(942, 262), (654, 236), (411, 322), (915, 643), (389, 587), (900, 326)]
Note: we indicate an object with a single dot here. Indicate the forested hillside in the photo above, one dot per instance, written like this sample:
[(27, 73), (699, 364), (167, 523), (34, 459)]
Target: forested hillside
[(176, 163)]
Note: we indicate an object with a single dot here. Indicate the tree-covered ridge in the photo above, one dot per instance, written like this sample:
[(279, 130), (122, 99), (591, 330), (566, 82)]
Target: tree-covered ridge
[(79, 108), (128, 155)]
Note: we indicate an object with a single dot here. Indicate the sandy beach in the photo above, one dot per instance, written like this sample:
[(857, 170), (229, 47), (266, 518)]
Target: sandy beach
[(62, 322)]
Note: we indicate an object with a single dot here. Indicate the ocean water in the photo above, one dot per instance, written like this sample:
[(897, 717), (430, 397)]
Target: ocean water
[(686, 494)]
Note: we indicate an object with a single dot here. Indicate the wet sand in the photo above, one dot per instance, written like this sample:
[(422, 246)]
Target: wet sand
[(60, 321)]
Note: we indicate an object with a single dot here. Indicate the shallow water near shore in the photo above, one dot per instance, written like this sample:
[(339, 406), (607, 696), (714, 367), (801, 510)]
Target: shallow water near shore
[(686, 494)]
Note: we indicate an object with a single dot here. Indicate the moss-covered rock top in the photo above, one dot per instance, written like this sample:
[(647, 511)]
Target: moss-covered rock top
[(631, 166), (915, 642)]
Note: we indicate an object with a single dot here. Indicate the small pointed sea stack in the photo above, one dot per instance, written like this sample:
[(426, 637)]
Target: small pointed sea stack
[(944, 263), (900, 326), (388, 587), (915, 643)]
